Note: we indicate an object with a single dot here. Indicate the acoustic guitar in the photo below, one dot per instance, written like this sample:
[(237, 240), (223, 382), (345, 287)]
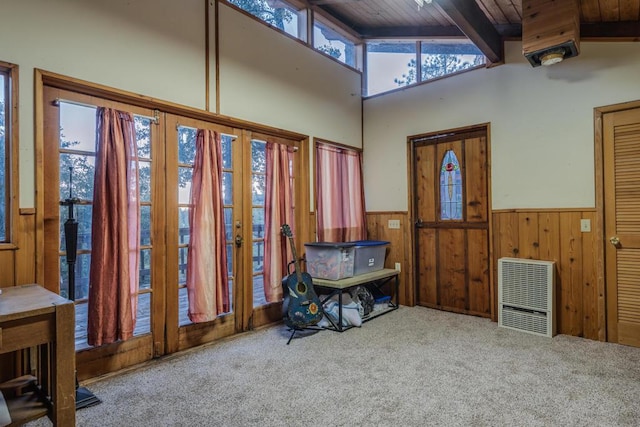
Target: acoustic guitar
[(303, 305)]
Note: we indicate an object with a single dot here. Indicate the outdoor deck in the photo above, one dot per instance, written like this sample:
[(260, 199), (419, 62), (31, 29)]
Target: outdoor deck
[(143, 322)]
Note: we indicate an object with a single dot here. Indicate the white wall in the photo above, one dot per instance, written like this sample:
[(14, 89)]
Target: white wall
[(266, 77), (157, 48), (542, 141)]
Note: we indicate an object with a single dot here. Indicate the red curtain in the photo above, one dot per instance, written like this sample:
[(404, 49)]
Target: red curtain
[(207, 276), (278, 210), (115, 234), (340, 194)]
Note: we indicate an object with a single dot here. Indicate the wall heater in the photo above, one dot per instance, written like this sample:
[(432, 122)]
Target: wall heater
[(526, 295)]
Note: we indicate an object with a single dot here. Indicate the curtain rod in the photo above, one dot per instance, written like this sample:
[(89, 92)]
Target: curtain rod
[(155, 119), (178, 125)]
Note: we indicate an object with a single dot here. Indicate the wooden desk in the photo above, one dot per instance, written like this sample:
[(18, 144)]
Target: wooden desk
[(374, 278), (33, 316)]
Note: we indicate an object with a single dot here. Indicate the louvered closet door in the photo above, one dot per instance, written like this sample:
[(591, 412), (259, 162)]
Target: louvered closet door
[(621, 136)]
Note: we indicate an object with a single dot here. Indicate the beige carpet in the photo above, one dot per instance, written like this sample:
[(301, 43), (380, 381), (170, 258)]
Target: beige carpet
[(411, 367)]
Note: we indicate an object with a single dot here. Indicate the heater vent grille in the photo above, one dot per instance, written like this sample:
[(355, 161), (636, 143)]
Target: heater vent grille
[(526, 297)]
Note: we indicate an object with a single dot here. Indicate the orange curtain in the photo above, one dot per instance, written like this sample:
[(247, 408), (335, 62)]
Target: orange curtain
[(340, 194), (278, 210), (207, 276), (115, 234)]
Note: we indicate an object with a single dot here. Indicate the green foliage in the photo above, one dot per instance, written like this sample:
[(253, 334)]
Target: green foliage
[(330, 50), (437, 65), (276, 16)]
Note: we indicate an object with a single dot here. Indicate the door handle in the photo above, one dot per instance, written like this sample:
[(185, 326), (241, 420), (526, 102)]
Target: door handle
[(239, 240), (615, 241)]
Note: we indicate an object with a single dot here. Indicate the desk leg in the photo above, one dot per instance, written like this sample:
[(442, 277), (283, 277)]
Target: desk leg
[(63, 364), (340, 311)]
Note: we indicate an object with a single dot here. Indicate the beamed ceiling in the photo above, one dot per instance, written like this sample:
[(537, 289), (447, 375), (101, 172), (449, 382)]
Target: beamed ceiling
[(487, 23)]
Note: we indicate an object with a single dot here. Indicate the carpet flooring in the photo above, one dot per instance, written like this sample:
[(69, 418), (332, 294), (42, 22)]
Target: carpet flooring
[(411, 367)]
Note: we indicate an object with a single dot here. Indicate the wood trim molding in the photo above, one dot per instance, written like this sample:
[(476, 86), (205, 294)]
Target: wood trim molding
[(524, 210), (60, 81)]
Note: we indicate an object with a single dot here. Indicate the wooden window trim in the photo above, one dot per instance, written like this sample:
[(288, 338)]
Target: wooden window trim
[(11, 138)]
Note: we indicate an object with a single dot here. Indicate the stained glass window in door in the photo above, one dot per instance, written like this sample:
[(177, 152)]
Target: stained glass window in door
[(450, 187)]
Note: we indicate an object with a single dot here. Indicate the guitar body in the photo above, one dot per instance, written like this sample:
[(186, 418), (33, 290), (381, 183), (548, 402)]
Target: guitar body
[(303, 307)]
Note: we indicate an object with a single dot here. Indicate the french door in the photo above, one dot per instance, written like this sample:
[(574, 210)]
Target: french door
[(166, 149), (451, 211), (68, 168)]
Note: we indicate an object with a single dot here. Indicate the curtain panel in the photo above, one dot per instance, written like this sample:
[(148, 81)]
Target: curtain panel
[(279, 203), (339, 194), (207, 275), (115, 233)]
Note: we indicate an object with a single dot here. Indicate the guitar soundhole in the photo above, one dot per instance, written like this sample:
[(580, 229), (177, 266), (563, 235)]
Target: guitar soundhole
[(302, 288)]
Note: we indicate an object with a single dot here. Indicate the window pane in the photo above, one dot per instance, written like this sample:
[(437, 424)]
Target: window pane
[(390, 65), (182, 265), (82, 265), (230, 260), (257, 218), (4, 157), (450, 187), (227, 152), (183, 225), (258, 189), (186, 145), (144, 175), (82, 214), (228, 223), (276, 13), (227, 188), (184, 185), (143, 318), (77, 127), (145, 269), (258, 256), (143, 136), (78, 170), (440, 59), (334, 44), (258, 156), (145, 225)]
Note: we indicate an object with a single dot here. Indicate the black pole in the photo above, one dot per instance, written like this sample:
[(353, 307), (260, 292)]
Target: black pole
[(84, 397)]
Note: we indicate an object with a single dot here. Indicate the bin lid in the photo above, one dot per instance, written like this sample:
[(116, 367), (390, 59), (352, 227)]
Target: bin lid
[(331, 244), (370, 242)]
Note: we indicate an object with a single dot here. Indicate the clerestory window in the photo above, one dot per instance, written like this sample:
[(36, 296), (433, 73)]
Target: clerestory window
[(393, 64)]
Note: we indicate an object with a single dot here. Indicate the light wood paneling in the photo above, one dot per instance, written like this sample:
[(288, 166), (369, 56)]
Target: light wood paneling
[(555, 235), (551, 234), (399, 248)]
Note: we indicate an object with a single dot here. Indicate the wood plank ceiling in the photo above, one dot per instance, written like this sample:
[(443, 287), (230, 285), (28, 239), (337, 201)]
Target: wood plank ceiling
[(485, 22)]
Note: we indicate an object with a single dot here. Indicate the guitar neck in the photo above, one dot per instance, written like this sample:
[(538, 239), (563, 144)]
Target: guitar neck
[(296, 261)]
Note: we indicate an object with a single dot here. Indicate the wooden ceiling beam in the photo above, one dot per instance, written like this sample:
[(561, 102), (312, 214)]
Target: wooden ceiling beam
[(410, 32), (507, 31), (470, 19)]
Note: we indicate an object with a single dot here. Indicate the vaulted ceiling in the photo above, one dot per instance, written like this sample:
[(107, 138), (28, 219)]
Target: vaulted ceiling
[(485, 22)]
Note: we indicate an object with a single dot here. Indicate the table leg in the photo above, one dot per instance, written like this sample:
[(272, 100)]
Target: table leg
[(63, 364)]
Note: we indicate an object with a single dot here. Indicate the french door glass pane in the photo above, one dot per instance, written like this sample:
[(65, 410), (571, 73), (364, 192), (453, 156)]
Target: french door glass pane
[(186, 156), (258, 179)]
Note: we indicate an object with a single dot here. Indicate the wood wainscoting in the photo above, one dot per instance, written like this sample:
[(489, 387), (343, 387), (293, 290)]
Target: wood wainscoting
[(18, 260), (399, 248), (547, 234), (555, 235)]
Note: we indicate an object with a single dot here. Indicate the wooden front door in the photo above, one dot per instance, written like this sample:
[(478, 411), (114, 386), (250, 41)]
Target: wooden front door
[(621, 140), (451, 211)]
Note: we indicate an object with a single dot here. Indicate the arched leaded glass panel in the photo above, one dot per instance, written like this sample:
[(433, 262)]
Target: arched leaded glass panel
[(450, 187)]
